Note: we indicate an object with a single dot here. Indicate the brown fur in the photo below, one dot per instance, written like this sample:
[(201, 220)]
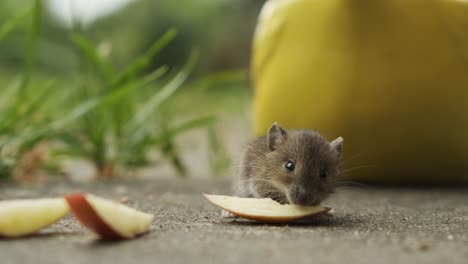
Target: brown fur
[(263, 173)]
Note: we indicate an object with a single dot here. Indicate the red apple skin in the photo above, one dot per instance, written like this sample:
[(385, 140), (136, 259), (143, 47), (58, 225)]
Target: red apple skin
[(88, 217)]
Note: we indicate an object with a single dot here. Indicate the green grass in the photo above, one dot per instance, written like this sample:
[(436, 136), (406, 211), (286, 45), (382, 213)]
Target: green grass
[(26, 115), (110, 116), (21, 104), (123, 130)]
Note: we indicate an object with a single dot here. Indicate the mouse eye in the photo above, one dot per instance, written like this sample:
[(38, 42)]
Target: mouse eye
[(289, 165), (323, 173)]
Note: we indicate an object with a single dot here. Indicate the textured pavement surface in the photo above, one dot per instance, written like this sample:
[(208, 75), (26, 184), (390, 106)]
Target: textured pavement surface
[(370, 225)]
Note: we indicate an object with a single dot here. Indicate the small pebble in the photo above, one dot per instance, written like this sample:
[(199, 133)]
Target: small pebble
[(423, 247)]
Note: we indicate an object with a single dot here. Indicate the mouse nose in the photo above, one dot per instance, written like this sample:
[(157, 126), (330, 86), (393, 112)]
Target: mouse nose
[(300, 196)]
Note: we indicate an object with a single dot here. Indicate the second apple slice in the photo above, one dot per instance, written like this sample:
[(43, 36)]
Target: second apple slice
[(109, 219)]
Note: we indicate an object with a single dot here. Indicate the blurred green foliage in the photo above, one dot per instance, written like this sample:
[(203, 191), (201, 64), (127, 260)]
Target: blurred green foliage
[(220, 29), (61, 85)]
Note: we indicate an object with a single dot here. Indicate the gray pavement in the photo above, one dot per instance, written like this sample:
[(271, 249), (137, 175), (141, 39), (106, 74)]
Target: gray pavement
[(371, 225)]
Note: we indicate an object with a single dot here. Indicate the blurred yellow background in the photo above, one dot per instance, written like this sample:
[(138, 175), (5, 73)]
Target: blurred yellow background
[(390, 77)]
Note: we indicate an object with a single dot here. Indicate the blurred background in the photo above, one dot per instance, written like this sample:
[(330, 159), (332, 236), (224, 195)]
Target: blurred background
[(139, 88), (123, 88)]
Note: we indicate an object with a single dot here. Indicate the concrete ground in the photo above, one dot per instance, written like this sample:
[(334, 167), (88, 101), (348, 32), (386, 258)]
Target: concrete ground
[(371, 225)]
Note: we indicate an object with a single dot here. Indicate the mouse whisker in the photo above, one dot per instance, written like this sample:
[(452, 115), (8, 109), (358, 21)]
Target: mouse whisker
[(277, 191), (247, 166), (255, 180), (269, 194), (349, 183), (357, 168)]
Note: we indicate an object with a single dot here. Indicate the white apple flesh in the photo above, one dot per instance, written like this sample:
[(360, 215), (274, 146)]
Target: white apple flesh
[(28, 216), (109, 219), (265, 209)]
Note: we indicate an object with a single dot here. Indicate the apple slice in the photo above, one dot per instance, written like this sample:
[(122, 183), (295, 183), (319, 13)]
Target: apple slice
[(264, 209), (25, 217), (109, 219)]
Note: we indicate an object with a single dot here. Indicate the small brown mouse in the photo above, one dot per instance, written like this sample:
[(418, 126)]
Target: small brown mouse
[(295, 166)]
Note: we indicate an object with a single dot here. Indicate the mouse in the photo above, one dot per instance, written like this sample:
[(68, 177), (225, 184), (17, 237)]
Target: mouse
[(290, 166)]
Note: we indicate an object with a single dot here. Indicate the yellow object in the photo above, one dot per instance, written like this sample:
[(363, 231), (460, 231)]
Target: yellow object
[(390, 76)]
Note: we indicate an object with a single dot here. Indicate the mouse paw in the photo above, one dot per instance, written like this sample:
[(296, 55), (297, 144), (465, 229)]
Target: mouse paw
[(226, 214)]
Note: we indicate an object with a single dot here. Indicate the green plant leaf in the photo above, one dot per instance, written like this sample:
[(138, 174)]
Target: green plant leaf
[(219, 158), (143, 61), (220, 79), (123, 109), (148, 108), (8, 26), (204, 121), (170, 151), (32, 44), (89, 51), (114, 96)]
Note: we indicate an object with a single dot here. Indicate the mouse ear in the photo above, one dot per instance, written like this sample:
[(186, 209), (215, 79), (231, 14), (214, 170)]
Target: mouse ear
[(337, 145), (276, 136)]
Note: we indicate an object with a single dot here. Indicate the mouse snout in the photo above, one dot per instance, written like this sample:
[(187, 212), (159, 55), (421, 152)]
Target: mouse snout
[(301, 196)]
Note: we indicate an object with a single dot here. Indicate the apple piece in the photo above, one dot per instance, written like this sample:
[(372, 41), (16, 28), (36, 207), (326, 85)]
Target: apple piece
[(264, 209), (28, 216), (109, 219)]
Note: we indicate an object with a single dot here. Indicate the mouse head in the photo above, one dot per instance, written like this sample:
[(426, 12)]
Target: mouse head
[(306, 164)]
